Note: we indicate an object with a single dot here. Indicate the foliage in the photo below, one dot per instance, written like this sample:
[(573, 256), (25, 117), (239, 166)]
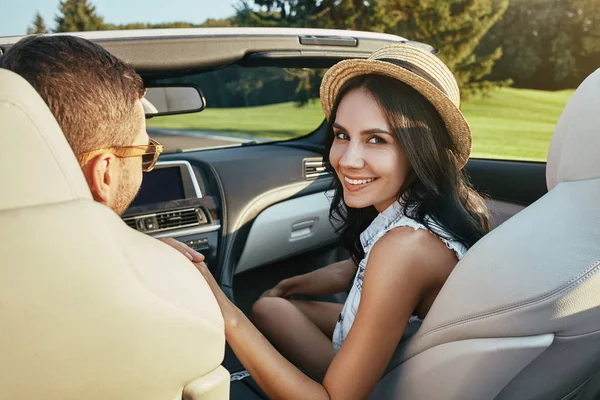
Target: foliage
[(237, 86), (455, 27), (548, 44), (38, 26), (78, 16), (142, 25), (326, 14)]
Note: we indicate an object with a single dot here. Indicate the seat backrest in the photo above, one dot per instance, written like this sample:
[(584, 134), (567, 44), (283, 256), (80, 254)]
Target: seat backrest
[(89, 308), (519, 318)]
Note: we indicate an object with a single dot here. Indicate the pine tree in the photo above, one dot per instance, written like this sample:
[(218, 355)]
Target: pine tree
[(78, 16), (38, 26)]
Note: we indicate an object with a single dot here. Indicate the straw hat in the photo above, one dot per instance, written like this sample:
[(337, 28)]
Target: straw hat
[(419, 69)]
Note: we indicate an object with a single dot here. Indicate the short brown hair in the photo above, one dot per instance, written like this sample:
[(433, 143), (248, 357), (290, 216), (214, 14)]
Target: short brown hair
[(91, 93)]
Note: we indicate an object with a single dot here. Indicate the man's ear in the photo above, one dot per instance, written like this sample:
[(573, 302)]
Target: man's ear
[(100, 174)]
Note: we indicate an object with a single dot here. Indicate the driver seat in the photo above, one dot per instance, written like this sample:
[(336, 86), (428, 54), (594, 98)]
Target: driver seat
[(90, 308), (519, 317)]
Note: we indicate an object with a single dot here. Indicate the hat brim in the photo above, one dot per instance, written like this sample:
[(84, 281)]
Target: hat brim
[(455, 122)]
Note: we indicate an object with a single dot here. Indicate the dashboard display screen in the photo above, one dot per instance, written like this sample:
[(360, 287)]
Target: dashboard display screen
[(162, 184)]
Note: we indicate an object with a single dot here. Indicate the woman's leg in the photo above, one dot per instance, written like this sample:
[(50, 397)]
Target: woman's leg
[(300, 330)]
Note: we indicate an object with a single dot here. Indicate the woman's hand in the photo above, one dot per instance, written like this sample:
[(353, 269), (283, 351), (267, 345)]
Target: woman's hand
[(332, 279), (184, 249), (277, 291)]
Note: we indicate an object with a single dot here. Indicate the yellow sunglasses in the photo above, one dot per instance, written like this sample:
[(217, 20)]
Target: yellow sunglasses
[(149, 153)]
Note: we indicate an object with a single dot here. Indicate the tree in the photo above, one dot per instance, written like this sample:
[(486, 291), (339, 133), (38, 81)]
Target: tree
[(145, 25), (548, 44), (214, 23), (209, 23), (455, 27), (78, 16), (332, 14), (38, 25)]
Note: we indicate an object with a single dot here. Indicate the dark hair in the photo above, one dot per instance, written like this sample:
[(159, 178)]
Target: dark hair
[(435, 192), (91, 93)]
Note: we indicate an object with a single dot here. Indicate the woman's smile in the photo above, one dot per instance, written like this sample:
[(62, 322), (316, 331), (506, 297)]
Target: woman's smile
[(356, 184)]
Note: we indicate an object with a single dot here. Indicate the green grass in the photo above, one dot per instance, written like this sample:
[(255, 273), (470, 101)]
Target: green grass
[(514, 124), (278, 121), (509, 124)]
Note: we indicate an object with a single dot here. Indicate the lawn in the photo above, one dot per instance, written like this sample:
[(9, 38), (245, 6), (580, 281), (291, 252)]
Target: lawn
[(514, 123), (509, 124)]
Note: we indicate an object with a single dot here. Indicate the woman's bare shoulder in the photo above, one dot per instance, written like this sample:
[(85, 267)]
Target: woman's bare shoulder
[(418, 252)]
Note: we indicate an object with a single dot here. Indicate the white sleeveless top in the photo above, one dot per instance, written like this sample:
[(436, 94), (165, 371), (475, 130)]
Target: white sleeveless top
[(392, 217)]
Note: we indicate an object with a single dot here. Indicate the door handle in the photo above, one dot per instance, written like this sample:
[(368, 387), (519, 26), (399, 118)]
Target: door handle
[(303, 229)]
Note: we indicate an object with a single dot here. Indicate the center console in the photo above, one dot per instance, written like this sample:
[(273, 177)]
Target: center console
[(171, 203)]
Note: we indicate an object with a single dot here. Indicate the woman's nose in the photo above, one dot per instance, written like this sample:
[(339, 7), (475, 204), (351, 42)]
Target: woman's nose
[(352, 157)]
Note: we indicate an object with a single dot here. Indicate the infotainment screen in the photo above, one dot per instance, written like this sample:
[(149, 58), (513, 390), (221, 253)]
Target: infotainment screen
[(162, 184)]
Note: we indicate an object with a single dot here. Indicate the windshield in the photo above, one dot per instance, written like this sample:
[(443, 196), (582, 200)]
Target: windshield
[(243, 106)]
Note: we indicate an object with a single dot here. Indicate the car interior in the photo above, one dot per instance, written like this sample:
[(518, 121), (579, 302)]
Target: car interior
[(519, 318)]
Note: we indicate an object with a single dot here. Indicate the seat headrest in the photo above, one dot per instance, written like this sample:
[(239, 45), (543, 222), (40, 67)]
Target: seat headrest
[(37, 165), (573, 153)]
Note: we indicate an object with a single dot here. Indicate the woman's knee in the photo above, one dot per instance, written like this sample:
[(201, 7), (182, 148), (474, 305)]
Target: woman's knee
[(268, 309)]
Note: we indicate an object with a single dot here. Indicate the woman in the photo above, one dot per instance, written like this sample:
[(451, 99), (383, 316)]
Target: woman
[(397, 144)]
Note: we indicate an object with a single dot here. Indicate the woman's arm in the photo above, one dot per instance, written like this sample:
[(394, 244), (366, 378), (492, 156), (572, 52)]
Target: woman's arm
[(393, 286), (332, 279), (403, 266), (279, 378)]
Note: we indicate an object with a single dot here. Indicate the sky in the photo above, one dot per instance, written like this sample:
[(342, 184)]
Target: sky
[(17, 15)]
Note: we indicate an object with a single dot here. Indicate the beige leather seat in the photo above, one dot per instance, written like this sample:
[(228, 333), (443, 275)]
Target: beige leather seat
[(519, 318), (89, 308)]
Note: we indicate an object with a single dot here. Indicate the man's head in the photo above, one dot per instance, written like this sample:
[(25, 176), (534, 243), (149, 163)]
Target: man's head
[(96, 99)]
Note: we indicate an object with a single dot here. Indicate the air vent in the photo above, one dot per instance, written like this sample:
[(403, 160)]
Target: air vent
[(178, 219), (314, 168), (130, 222), (167, 220)]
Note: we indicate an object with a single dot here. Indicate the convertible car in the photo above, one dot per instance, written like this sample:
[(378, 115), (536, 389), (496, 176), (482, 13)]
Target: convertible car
[(519, 318)]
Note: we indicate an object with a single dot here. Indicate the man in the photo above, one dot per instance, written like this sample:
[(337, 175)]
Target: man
[(97, 100)]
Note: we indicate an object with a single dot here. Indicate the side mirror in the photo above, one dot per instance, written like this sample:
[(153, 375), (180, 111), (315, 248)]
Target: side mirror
[(171, 100)]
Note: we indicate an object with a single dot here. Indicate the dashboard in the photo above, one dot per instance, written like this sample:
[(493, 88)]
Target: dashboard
[(172, 203), (211, 200)]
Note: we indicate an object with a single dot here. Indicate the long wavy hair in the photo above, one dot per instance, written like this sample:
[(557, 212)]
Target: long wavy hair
[(435, 191)]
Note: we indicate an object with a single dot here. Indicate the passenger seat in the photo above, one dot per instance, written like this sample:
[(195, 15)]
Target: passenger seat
[(519, 317)]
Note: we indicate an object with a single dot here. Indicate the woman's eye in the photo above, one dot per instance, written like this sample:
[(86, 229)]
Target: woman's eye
[(376, 140), (341, 136)]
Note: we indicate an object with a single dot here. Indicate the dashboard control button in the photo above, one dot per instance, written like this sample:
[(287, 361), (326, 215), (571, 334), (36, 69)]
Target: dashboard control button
[(149, 223), (198, 244)]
